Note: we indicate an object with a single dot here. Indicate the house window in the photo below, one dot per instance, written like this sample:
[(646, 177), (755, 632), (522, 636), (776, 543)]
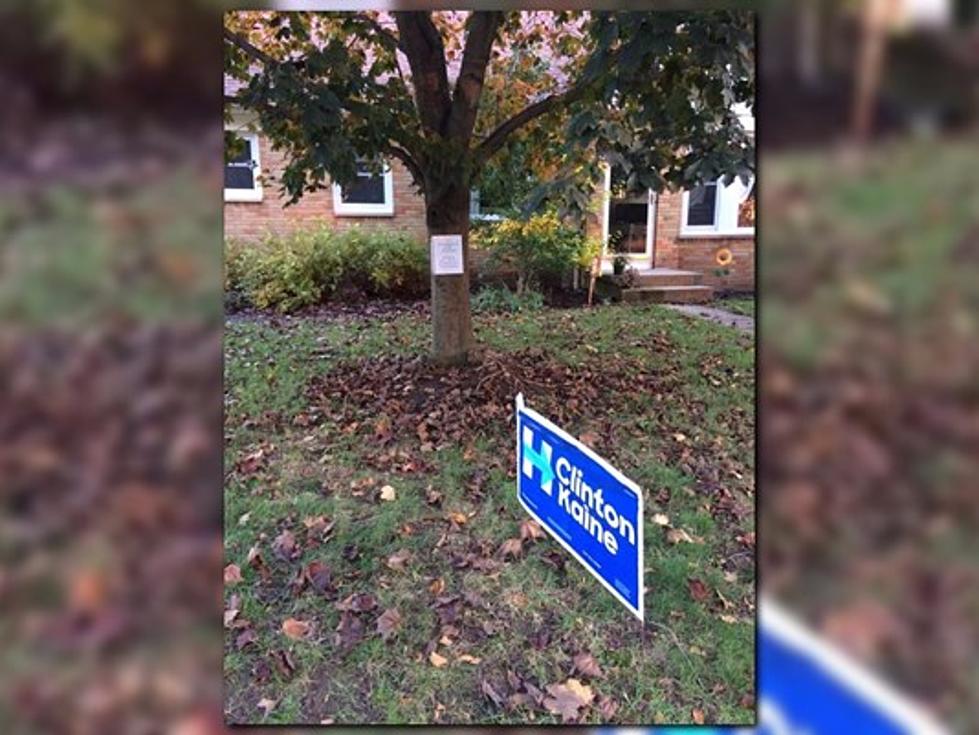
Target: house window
[(477, 212), (243, 173), (715, 210), (702, 206), (370, 195)]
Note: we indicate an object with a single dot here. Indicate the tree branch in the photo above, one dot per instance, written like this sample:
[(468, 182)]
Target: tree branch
[(382, 31), (426, 55), (494, 141), (253, 51), (469, 85), (410, 163)]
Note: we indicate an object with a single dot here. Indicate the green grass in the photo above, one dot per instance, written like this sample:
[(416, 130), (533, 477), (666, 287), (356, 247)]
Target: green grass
[(688, 446), (880, 241), (871, 286), (74, 257), (744, 305)]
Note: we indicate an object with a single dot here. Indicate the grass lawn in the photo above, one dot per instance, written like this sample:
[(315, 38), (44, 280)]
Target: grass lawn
[(361, 481), (869, 335), (738, 305)]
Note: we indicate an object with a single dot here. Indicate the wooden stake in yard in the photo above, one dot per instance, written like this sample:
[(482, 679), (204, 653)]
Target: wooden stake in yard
[(595, 268)]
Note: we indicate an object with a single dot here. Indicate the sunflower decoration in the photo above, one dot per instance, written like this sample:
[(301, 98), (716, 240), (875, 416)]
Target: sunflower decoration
[(724, 257)]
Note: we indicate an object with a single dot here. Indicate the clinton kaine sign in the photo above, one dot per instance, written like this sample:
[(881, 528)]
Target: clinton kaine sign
[(587, 505)]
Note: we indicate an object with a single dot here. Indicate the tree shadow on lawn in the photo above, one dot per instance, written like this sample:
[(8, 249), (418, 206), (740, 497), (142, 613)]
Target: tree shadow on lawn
[(411, 469)]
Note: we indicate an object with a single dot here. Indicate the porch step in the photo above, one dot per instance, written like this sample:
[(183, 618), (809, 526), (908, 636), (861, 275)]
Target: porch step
[(669, 277), (669, 294)]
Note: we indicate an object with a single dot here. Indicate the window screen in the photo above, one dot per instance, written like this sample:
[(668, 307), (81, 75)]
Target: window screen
[(702, 207)]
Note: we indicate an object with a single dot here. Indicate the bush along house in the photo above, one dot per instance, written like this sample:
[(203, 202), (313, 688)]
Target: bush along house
[(676, 246)]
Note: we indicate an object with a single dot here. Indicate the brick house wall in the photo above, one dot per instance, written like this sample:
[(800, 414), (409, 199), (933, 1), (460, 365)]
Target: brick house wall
[(672, 249), (251, 221), (699, 252)]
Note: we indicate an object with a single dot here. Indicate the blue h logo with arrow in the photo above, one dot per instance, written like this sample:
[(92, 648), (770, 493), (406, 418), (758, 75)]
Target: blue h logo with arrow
[(541, 460)]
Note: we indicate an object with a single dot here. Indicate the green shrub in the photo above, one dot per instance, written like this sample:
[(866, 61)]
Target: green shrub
[(310, 266), (503, 300), (539, 249)]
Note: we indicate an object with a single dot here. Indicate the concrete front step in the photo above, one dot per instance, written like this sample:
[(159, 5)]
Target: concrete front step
[(667, 277), (669, 294)]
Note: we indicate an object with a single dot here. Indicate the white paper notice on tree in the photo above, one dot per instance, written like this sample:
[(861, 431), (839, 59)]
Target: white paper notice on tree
[(447, 255)]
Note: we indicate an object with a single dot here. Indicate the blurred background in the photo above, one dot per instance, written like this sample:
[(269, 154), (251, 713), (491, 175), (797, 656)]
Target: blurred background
[(110, 352)]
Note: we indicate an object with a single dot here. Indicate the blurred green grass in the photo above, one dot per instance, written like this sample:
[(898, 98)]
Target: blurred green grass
[(886, 236), (869, 400), (75, 258)]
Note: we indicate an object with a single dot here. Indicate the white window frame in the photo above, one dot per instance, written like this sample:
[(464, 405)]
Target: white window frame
[(358, 209), (726, 206), (255, 193)]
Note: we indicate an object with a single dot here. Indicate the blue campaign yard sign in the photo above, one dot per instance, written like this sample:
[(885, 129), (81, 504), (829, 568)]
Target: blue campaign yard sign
[(588, 506), (808, 687)]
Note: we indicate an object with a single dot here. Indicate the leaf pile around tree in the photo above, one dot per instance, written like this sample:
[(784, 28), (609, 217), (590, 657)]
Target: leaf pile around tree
[(443, 404)]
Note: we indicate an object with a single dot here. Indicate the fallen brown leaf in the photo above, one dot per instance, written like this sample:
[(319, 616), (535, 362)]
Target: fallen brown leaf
[(358, 602), (229, 616), (285, 546), (567, 699), (678, 535), (697, 715), (318, 576), (232, 574), (295, 629), (388, 623), (437, 661), (608, 707), (256, 562), (245, 638), (398, 560), (586, 665), (698, 590), (349, 632), (284, 663), (511, 547), (490, 691), (530, 530)]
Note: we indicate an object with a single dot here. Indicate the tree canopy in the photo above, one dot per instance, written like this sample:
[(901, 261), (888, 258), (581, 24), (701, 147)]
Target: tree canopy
[(447, 92)]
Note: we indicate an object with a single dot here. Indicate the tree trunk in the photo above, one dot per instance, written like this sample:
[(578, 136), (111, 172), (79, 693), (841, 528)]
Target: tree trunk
[(447, 213)]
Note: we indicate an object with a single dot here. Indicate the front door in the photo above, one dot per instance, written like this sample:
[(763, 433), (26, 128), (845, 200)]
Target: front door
[(629, 225)]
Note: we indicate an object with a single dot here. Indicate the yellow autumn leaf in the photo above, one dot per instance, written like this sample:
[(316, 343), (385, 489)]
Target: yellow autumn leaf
[(388, 493)]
